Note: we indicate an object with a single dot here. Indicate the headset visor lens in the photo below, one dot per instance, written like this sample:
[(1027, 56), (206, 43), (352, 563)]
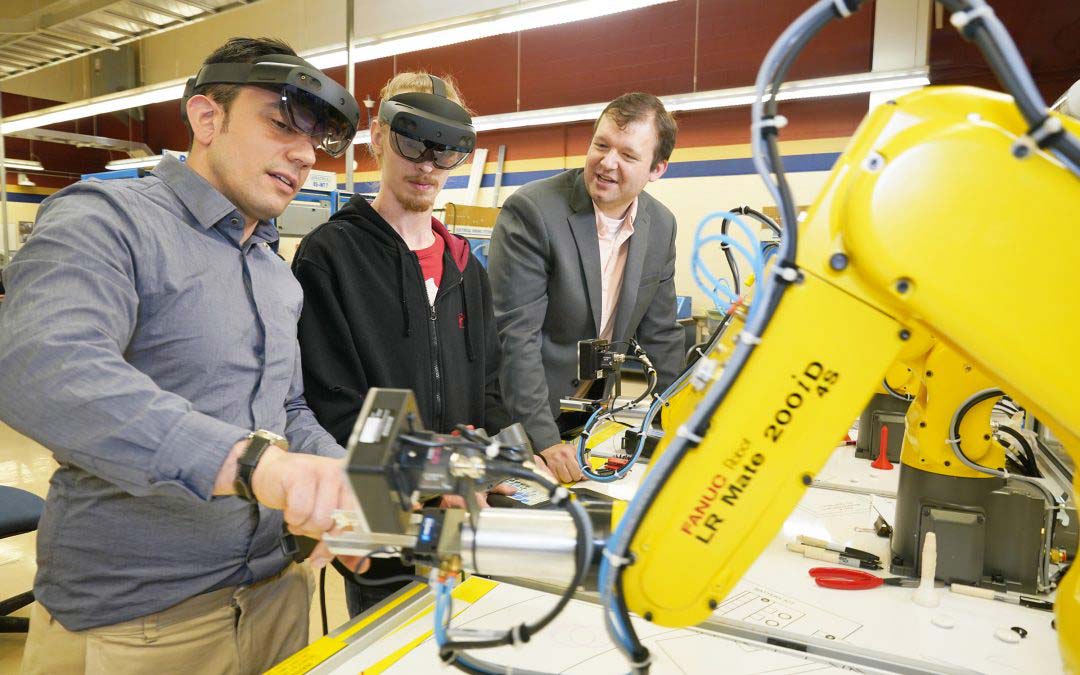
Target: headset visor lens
[(314, 117), (416, 150)]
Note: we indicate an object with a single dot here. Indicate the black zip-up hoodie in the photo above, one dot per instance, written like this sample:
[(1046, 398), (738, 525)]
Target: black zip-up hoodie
[(366, 322)]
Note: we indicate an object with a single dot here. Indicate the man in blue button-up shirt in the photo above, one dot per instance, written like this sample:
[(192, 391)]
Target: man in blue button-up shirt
[(149, 328)]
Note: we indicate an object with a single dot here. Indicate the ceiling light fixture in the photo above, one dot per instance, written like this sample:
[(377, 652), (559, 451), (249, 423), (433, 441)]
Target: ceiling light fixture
[(494, 23), (143, 162), (822, 87), (499, 22), (132, 98), (13, 164)]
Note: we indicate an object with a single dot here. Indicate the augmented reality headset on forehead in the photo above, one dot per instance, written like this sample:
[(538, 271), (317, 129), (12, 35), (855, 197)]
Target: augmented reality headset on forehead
[(311, 100), (430, 117)]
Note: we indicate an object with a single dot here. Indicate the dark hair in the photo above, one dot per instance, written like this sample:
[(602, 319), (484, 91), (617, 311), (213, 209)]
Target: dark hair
[(239, 50), (637, 106)]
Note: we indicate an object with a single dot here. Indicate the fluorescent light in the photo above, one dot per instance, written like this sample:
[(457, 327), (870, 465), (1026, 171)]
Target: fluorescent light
[(495, 23), (132, 98), (22, 164), (143, 162), (821, 87), (133, 163), (843, 85), (869, 83)]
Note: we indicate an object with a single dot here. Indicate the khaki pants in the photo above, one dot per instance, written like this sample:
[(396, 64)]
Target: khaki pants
[(230, 630)]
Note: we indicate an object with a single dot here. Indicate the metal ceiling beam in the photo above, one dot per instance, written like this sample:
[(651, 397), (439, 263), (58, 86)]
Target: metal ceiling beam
[(16, 58), (196, 4), (66, 45), (55, 13), (37, 44), (82, 38), (132, 148), (19, 49), (107, 27), (158, 10), (82, 43), (131, 19)]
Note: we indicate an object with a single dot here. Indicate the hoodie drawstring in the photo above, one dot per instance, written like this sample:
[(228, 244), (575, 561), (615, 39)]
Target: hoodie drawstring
[(470, 351)]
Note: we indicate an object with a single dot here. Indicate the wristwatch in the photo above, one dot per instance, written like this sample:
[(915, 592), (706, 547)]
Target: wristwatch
[(258, 442)]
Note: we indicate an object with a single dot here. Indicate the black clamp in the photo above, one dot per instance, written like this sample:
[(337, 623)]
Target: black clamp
[(769, 125), (1037, 136), (787, 273), (967, 21)]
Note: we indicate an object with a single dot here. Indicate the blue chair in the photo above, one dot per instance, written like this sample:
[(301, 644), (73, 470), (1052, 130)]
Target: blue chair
[(19, 513)]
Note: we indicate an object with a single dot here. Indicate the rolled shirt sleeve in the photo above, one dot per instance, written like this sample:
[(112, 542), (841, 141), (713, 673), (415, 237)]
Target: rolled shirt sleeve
[(68, 318)]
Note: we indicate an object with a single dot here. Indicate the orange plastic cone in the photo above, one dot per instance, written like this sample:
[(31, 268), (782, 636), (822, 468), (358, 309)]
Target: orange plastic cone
[(882, 462)]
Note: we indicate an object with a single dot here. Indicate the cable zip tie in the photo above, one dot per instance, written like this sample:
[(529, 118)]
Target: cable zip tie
[(771, 122), (683, 432), (1050, 126), (961, 19), (1036, 137), (616, 560), (787, 273), (841, 8), (749, 339)]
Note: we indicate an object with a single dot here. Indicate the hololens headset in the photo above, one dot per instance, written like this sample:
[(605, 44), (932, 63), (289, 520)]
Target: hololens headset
[(311, 103), (427, 127)]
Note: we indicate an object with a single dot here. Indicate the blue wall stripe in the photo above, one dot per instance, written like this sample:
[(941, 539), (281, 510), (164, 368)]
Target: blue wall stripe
[(25, 198), (822, 161)]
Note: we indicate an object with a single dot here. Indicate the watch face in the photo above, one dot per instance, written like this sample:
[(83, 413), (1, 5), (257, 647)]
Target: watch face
[(271, 437)]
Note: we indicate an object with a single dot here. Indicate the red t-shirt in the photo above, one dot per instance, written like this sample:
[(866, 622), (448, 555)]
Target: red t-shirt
[(431, 266)]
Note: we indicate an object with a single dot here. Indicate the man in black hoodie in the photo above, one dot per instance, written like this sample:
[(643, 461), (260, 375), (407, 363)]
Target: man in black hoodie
[(392, 299)]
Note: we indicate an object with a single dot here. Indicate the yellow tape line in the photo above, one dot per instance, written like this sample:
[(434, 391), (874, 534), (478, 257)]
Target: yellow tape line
[(360, 625), (472, 589), (309, 657), (326, 646), (469, 592)]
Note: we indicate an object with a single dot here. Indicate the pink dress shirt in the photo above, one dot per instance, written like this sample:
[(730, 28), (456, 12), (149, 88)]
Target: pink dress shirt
[(613, 234)]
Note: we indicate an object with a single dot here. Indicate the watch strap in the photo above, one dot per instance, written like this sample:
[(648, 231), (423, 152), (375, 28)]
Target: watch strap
[(258, 442)]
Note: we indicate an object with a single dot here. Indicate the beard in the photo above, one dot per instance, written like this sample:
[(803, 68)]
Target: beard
[(416, 203)]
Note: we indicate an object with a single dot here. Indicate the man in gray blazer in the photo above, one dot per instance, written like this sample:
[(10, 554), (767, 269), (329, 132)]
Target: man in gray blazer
[(581, 255)]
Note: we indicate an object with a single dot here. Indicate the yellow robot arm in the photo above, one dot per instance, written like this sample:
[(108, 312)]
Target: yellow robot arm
[(928, 224)]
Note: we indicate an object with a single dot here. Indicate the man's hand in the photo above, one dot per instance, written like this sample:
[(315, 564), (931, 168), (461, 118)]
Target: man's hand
[(307, 488), (561, 458), (458, 502)]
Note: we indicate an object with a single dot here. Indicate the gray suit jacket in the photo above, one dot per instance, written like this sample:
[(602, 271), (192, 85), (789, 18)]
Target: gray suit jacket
[(544, 266)]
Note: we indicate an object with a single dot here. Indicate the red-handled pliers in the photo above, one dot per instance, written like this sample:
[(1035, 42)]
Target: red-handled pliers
[(854, 580)]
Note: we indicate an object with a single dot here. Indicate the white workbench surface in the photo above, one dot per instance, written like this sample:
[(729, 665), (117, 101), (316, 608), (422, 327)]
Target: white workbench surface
[(776, 592)]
